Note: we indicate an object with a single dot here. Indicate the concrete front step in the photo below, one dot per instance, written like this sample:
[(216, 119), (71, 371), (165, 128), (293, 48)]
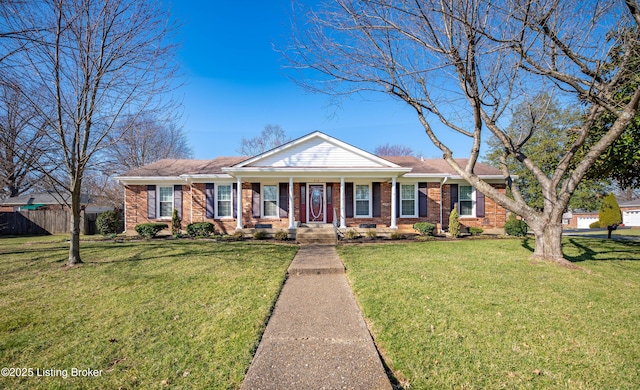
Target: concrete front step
[(316, 260), (316, 235)]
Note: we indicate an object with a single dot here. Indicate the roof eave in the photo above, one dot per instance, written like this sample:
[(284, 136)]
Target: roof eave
[(148, 179)]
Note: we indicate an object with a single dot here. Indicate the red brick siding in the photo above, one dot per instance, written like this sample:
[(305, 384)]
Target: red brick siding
[(194, 209)]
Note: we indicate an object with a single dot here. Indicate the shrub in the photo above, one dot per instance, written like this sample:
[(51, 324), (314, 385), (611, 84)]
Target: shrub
[(454, 224), (609, 214), (424, 228), (260, 234), (396, 236), (281, 235), (176, 224), (109, 222), (201, 229), (351, 234), (372, 234), (594, 225), (475, 231), (149, 230), (515, 227), (238, 235)]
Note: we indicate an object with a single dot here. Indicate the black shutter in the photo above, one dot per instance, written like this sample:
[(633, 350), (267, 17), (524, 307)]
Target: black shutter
[(377, 198), (329, 202), (422, 199), (479, 204), (177, 199), (210, 200), (283, 195), (255, 200), (235, 200), (397, 200), (151, 202), (454, 196), (348, 200)]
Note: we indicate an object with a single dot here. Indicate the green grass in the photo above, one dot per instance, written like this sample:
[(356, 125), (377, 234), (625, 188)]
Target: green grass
[(478, 314), (149, 314)]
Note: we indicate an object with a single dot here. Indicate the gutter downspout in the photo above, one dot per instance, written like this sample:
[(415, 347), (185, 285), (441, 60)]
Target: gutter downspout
[(441, 198)]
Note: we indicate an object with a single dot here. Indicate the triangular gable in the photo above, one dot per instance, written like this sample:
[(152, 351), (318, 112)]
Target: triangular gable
[(316, 150)]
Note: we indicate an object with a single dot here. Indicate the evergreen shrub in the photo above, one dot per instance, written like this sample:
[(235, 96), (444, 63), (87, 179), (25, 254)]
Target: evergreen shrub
[(109, 222), (515, 227), (151, 229), (424, 228), (201, 229)]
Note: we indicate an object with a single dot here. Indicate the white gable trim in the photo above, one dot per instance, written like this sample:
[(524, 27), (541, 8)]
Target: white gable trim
[(375, 160)]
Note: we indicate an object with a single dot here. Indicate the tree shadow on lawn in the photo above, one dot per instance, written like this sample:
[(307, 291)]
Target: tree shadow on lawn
[(231, 252), (594, 249)]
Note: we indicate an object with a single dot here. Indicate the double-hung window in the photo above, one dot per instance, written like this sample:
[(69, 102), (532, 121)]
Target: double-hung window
[(270, 201), (466, 200), (224, 199), (165, 202), (362, 200), (408, 200)]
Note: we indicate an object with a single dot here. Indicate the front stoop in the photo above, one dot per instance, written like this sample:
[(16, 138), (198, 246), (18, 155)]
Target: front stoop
[(316, 234)]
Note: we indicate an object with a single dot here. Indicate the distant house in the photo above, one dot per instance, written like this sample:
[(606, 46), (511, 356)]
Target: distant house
[(50, 201), (579, 219), (630, 212), (310, 180)]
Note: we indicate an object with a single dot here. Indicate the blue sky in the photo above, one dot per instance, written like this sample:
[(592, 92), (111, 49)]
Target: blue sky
[(235, 84)]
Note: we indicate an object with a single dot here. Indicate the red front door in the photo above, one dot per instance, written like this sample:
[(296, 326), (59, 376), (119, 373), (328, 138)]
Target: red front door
[(315, 203)]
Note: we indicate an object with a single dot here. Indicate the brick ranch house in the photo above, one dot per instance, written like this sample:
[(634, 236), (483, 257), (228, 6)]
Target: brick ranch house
[(313, 179)]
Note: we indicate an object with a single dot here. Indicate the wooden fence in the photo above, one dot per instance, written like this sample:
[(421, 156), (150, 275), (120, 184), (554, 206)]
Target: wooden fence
[(36, 222)]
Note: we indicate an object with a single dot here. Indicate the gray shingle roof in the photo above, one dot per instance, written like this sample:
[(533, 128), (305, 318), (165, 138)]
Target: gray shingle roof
[(170, 167)]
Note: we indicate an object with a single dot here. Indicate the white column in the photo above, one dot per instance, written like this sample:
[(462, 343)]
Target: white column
[(239, 226), (343, 206), (393, 203), (292, 211)]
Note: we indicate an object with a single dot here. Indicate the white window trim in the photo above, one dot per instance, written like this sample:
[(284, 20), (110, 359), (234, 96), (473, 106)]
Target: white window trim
[(355, 201), (217, 208), (415, 200), (473, 201), (158, 217), (262, 200)]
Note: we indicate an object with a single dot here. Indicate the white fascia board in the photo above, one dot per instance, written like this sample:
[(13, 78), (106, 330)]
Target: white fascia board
[(488, 178), (126, 180), (316, 172), (436, 176), (206, 178), (442, 176)]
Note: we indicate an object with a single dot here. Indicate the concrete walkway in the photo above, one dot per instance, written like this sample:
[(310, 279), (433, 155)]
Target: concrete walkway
[(316, 337)]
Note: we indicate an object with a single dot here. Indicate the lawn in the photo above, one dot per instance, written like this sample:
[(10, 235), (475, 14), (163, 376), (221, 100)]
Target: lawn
[(148, 314), (478, 314)]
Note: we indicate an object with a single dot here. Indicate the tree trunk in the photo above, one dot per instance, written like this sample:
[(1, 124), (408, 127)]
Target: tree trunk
[(610, 229), (74, 248), (548, 245)]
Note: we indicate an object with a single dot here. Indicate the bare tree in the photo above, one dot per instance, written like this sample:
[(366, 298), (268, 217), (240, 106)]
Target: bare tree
[(466, 64), (21, 145), (393, 150), (146, 139), (92, 63), (271, 136)]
